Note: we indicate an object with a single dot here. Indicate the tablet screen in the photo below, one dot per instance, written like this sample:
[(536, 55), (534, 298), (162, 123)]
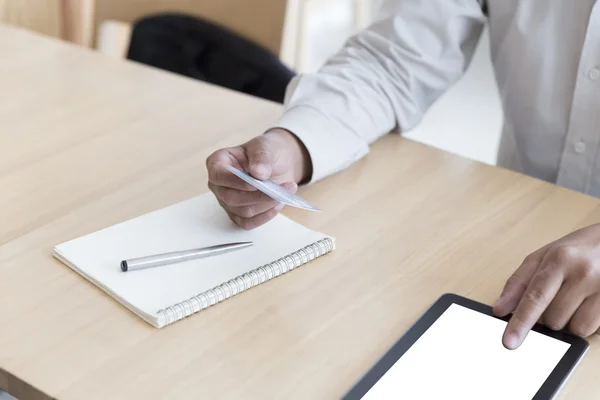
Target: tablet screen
[(461, 357)]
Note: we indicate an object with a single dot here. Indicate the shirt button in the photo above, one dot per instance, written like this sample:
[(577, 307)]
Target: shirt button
[(594, 74), (580, 146)]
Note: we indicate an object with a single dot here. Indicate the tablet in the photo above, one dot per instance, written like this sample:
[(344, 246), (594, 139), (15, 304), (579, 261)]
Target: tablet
[(455, 352)]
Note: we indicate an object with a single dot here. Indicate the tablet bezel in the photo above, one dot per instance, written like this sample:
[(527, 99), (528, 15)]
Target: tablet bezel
[(548, 389)]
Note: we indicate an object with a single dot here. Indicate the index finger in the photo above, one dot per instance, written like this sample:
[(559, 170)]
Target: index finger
[(537, 297), (220, 176)]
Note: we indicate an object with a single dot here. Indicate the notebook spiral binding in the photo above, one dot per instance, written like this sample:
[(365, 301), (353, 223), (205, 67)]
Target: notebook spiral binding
[(243, 282)]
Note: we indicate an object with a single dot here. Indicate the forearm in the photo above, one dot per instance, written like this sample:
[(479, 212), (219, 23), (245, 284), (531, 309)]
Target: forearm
[(385, 78)]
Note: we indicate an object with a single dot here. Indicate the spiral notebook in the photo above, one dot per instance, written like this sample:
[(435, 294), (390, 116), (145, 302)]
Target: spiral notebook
[(164, 295)]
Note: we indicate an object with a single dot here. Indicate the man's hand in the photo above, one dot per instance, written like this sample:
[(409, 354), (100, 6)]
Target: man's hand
[(277, 155), (558, 285)]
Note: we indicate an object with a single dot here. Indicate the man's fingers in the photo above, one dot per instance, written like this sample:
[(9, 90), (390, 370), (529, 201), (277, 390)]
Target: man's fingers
[(262, 154), (258, 220), (568, 299), (517, 284), (238, 198), (256, 207), (235, 156), (218, 175), (253, 210), (291, 187), (513, 291), (541, 291), (586, 320)]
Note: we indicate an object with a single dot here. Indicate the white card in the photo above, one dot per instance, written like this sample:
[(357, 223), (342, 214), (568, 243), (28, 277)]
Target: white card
[(273, 190)]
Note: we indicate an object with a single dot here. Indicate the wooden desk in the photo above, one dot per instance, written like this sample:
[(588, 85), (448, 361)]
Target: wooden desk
[(86, 142)]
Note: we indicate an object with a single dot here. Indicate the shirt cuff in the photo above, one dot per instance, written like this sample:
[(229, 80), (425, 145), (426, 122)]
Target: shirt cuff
[(331, 149)]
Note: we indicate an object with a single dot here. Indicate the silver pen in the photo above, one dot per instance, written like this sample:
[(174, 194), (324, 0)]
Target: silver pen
[(180, 256)]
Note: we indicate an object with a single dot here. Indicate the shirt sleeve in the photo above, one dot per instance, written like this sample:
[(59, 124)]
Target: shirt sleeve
[(384, 79)]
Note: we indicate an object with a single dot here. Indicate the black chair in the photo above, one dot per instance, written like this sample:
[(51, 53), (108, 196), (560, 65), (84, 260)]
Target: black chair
[(202, 50)]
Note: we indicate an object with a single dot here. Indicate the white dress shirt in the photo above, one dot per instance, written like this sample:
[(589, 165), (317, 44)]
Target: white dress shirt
[(546, 57)]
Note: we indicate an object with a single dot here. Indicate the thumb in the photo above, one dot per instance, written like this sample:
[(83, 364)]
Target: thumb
[(261, 154)]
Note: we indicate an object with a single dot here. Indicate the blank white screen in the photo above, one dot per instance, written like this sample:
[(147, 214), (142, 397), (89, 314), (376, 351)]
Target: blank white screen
[(461, 357)]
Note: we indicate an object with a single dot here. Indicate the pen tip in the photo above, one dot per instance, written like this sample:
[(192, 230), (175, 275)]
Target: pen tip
[(124, 266)]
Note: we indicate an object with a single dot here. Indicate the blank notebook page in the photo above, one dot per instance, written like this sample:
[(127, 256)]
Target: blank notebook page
[(198, 222)]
